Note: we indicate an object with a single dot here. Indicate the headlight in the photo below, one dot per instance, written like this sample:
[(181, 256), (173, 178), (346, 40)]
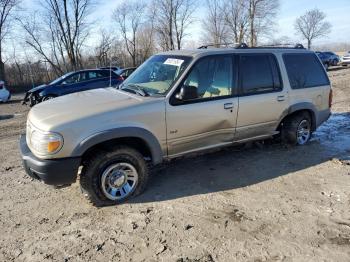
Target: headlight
[(45, 143)]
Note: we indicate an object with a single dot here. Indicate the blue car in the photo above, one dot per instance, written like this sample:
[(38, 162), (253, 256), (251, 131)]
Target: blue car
[(73, 82)]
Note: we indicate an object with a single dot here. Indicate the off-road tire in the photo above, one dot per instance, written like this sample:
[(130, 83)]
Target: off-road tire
[(290, 127), (90, 177)]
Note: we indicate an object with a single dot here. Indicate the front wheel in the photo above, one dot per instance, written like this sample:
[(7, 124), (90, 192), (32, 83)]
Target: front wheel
[(49, 97), (296, 129), (109, 178)]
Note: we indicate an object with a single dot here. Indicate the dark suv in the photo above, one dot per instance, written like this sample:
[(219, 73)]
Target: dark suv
[(73, 82)]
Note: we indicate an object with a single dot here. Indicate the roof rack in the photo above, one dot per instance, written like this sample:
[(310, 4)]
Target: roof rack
[(244, 45), (286, 46), (216, 45)]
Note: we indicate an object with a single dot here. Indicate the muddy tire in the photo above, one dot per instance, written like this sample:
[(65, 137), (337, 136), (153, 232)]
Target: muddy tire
[(296, 129), (110, 178)]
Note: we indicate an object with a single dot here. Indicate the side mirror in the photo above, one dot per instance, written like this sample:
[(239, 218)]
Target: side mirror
[(187, 93)]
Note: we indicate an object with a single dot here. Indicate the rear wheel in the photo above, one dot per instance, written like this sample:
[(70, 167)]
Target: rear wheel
[(110, 178), (296, 129)]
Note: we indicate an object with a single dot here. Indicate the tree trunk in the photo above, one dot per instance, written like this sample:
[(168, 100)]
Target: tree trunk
[(251, 18), (2, 71), (2, 66), (309, 44)]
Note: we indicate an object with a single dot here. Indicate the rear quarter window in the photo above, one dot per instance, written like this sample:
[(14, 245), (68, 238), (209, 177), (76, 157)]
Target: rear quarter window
[(305, 70)]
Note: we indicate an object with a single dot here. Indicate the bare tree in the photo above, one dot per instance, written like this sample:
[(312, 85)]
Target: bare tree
[(261, 15), (59, 37), (214, 24), (173, 19), (236, 18), (6, 9), (130, 16), (312, 25), (103, 48)]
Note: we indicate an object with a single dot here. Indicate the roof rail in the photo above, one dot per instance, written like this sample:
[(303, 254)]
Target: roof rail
[(218, 45), (287, 46), (244, 45)]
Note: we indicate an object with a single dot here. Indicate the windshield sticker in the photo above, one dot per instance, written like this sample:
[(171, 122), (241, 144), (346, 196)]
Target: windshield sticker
[(173, 61)]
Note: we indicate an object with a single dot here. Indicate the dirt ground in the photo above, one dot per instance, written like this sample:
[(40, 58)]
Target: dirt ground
[(263, 203)]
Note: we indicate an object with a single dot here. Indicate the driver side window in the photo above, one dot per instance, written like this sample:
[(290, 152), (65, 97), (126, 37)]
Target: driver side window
[(211, 77)]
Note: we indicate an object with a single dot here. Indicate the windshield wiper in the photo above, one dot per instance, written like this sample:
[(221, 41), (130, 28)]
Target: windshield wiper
[(136, 89)]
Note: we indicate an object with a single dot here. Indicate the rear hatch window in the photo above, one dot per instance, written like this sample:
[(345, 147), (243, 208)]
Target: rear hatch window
[(305, 70)]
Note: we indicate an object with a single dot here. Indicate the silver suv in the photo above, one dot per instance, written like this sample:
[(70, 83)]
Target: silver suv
[(174, 104)]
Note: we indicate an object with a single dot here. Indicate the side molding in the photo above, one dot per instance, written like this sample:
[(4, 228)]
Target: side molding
[(137, 132)]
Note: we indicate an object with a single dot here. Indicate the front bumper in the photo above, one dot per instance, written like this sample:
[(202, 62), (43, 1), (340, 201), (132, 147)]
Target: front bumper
[(56, 172)]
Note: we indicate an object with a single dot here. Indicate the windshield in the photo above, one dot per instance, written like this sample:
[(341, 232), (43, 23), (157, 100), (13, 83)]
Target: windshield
[(157, 75), (60, 78)]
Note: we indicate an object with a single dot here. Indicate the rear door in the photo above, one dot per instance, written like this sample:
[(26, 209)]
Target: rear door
[(98, 79), (262, 98)]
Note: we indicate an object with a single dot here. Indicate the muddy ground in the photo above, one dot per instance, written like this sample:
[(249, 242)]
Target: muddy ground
[(263, 203)]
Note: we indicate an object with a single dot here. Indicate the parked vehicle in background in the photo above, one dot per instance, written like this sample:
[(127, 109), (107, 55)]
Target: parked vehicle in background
[(125, 72), (345, 60), (5, 94), (175, 104), (328, 59), (73, 82)]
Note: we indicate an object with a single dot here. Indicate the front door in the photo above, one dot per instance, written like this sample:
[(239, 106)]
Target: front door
[(208, 119)]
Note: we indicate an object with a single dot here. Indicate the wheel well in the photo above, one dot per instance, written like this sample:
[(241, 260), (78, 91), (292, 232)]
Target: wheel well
[(133, 142), (310, 112)]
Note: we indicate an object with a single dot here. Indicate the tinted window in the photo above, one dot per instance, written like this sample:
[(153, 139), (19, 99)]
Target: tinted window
[(304, 70), (76, 78), (95, 75), (259, 74), (212, 76)]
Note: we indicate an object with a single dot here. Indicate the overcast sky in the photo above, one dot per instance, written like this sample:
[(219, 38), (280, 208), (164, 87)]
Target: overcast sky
[(337, 11)]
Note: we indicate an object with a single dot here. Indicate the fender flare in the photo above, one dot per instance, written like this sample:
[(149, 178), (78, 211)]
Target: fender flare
[(302, 106), (122, 132)]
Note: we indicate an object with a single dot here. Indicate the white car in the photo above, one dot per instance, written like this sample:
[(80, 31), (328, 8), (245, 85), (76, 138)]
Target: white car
[(5, 95), (345, 60)]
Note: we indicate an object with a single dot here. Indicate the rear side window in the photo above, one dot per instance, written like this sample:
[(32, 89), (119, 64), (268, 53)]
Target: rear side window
[(259, 74), (96, 75), (304, 71)]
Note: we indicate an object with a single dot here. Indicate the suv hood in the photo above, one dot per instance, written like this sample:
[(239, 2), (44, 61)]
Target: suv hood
[(77, 106)]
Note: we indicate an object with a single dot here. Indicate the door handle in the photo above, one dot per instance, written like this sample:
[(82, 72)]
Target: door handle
[(280, 98), (228, 106)]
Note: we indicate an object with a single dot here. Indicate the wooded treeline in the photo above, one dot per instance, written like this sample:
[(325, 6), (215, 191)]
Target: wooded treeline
[(61, 36)]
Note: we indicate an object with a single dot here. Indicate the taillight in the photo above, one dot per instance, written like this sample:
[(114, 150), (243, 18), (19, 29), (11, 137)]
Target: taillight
[(1, 86), (330, 99), (120, 78)]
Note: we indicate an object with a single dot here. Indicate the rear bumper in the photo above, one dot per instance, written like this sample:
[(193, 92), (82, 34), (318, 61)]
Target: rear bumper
[(56, 172)]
